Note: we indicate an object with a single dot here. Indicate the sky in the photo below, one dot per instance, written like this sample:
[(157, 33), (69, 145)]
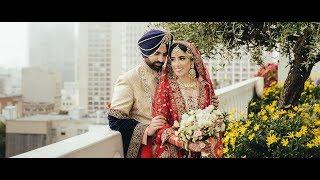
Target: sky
[(13, 44)]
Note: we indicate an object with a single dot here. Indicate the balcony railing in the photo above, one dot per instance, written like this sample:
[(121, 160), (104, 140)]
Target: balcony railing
[(102, 142), (99, 142), (238, 96)]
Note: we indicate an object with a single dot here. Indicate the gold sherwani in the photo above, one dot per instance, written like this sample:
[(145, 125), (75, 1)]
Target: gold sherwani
[(132, 99)]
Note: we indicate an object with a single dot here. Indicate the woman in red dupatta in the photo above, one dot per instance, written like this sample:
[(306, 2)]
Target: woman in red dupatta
[(170, 101)]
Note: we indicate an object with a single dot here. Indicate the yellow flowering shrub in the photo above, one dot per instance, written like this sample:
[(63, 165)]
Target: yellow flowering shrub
[(271, 132)]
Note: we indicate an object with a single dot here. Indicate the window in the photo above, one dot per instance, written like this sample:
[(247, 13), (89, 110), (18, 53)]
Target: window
[(63, 131)]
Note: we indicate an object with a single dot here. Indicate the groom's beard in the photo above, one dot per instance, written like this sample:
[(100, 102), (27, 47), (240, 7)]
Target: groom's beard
[(157, 66)]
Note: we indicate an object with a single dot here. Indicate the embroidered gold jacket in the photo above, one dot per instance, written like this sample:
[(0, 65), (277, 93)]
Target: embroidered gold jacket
[(133, 92), (132, 99)]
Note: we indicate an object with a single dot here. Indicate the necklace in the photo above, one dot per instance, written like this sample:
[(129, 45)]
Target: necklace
[(191, 85)]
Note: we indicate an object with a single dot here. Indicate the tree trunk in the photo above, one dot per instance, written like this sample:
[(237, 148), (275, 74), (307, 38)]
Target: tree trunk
[(298, 73), (294, 85)]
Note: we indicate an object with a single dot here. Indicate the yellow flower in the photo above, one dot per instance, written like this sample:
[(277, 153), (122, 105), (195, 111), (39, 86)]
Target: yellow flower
[(275, 116), (306, 85), (263, 112), (225, 140), (251, 115), (225, 150), (282, 112), (291, 135), (298, 134), (241, 115), (242, 129), (284, 142), (317, 141), (303, 130), (271, 139), (316, 132), (252, 104), (271, 109), (232, 113), (317, 122), (305, 115), (264, 118), (295, 108), (251, 136), (310, 145), (274, 103), (256, 127), (291, 115), (316, 108), (233, 142), (247, 123)]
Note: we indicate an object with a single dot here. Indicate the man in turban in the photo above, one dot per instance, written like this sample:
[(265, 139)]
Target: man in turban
[(130, 109)]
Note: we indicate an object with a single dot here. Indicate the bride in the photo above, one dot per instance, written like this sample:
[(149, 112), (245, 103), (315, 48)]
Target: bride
[(184, 85)]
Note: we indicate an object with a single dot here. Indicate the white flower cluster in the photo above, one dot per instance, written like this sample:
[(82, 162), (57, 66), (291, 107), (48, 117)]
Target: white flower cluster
[(200, 124)]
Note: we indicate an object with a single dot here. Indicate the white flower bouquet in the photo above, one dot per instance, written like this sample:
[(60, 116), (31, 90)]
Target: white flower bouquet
[(200, 125)]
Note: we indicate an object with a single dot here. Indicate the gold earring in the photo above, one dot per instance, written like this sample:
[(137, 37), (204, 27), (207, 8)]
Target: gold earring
[(192, 72)]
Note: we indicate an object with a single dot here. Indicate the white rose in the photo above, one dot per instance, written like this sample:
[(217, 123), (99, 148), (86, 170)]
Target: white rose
[(184, 117)]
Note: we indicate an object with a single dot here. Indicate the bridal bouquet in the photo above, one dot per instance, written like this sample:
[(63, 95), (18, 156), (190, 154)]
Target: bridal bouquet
[(200, 125)]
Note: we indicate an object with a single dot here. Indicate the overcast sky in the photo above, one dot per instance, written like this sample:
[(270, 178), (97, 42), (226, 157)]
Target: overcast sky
[(13, 44)]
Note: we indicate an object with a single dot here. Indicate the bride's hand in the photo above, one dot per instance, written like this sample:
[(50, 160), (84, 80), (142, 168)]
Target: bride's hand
[(196, 146)]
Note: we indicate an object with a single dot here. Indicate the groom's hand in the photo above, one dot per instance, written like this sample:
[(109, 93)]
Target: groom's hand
[(215, 101), (156, 123)]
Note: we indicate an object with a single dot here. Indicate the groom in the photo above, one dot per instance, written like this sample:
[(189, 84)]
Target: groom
[(130, 110)]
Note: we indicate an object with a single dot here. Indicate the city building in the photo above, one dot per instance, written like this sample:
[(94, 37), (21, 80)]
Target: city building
[(41, 91), (28, 133), (98, 63)]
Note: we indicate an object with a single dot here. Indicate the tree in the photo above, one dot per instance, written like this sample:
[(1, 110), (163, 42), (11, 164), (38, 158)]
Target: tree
[(300, 41)]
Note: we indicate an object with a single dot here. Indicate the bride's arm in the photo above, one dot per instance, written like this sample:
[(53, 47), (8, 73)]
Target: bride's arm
[(173, 139), (195, 147)]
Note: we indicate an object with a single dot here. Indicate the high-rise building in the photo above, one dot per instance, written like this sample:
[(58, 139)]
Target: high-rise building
[(130, 34), (237, 70), (98, 63), (41, 91), (52, 47)]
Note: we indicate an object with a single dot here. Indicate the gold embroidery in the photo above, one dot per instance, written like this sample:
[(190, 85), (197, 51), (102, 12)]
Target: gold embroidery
[(201, 99), (136, 139), (166, 134), (178, 98), (169, 152), (145, 85), (118, 114), (144, 75)]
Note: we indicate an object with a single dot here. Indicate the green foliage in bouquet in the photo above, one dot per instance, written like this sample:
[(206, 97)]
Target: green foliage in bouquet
[(271, 132)]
